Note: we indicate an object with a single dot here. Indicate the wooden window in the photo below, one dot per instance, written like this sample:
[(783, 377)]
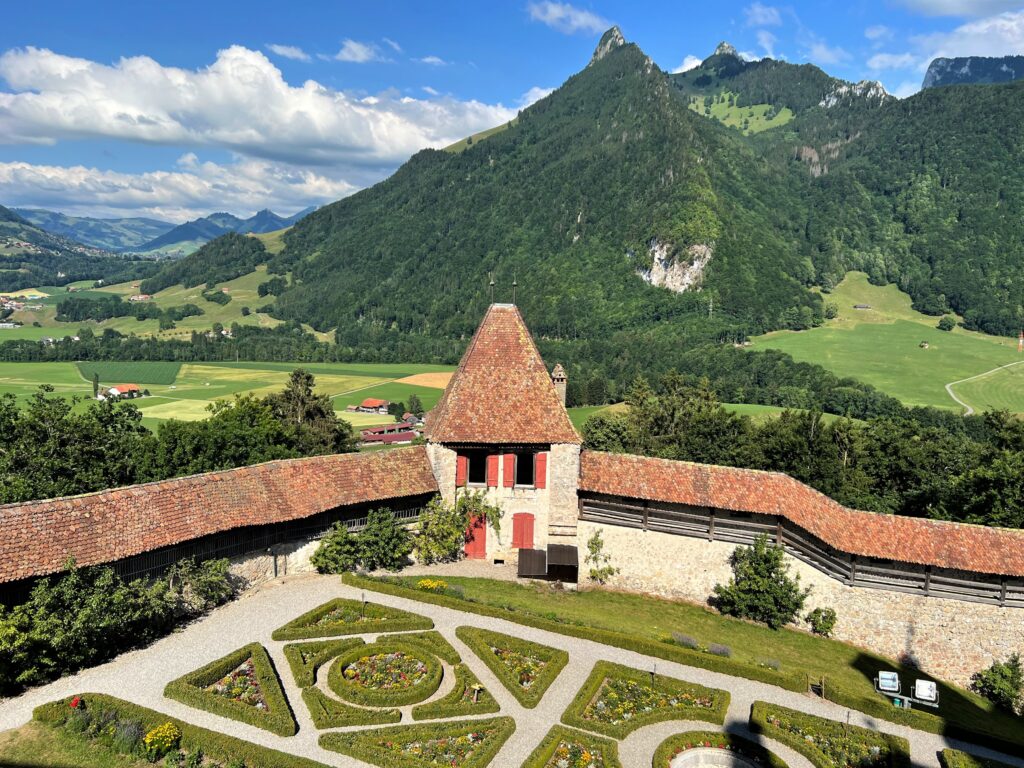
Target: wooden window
[(540, 470), (522, 530), (492, 470), (508, 470)]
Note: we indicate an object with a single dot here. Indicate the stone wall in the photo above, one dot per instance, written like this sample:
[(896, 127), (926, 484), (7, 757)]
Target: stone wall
[(949, 638), (279, 560)]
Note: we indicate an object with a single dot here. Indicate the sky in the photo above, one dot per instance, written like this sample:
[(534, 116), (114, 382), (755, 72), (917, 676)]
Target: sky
[(176, 110)]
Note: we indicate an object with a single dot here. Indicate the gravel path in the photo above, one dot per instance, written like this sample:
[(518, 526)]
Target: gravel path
[(140, 676)]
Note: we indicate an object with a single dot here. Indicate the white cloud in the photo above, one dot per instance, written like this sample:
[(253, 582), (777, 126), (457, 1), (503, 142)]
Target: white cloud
[(906, 88), (288, 51), (961, 7), (356, 52), (748, 56), (567, 18), (891, 61), (533, 95), (821, 53), (688, 63), (760, 15), (434, 61), (393, 45), (1000, 35), (767, 41), (240, 103), (878, 32), (431, 91)]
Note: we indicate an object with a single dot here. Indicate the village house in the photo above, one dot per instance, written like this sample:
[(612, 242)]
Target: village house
[(120, 391), (390, 434), (140, 297), (372, 405)]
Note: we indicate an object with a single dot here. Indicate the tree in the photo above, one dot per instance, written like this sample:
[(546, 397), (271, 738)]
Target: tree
[(339, 551), (385, 543), (1002, 683), (761, 587), (311, 417), (947, 323), (415, 405), (95, 384), (599, 561)]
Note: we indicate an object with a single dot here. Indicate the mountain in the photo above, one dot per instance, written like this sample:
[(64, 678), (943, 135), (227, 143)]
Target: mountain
[(967, 70), (188, 237), (107, 234)]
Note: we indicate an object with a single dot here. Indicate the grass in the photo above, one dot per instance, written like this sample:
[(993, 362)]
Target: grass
[(759, 413), (272, 241), (464, 144), (136, 372), (755, 115), (881, 346), (35, 745), (393, 391)]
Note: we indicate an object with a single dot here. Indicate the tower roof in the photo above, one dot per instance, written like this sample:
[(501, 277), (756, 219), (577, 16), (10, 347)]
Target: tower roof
[(502, 392)]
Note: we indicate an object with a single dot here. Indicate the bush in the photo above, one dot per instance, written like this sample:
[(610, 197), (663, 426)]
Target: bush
[(674, 745), (432, 642), (761, 588), (305, 659), (349, 617), (483, 642), (385, 543), (822, 621), (330, 713), (442, 527), (367, 696), (954, 758), (468, 697), (544, 755), (685, 641), (1002, 683), (720, 650), (161, 740), (601, 568), (947, 323), (339, 551)]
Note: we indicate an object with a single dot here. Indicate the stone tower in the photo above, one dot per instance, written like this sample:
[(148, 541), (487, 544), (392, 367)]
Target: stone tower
[(560, 381)]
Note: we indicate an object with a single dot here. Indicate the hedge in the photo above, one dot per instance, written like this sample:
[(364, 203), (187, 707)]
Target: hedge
[(277, 718), (454, 703), (216, 746), (791, 681), (364, 745), (894, 751), (329, 713), (305, 659), (378, 618), (545, 751), (680, 742), (604, 670), (954, 758), (432, 642), (374, 697), (481, 641)]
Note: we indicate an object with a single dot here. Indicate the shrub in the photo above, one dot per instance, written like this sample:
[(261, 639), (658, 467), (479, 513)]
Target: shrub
[(305, 659), (442, 530), (339, 551), (720, 650), (570, 743), (1002, 683), (601, 568), (350, 617), (329, 713), (468, 697), (954, 758), (431, 642), (822, 621), (161, 740), (678, 743), (432, 585), (353, 690), (761, 588), (947, 323), (127, 736), (385, 543), (526, 669), (685, 641)]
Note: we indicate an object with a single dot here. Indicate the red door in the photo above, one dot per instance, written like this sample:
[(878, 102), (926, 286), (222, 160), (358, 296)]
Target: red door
[(522, 530), (476, 538)]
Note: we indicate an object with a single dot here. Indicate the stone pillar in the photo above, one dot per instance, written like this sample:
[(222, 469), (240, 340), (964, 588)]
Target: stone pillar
[(560, 381)]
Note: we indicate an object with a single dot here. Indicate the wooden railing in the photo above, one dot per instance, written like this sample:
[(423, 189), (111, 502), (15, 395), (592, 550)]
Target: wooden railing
[(743, 528)]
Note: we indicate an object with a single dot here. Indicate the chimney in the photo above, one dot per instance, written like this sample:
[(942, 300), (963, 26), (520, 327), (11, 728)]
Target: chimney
[(560, 380)]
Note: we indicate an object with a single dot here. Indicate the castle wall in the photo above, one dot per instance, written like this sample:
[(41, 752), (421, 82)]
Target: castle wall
[(949, 638)]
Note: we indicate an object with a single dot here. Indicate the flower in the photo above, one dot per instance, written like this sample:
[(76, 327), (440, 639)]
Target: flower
[(76, 702)]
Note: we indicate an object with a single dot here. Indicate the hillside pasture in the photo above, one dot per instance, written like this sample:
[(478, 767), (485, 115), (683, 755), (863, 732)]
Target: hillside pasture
[(135, 372)]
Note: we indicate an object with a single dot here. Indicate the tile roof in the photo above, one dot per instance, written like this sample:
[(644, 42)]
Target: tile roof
[(501, 393), (39, 536), (941, 544)]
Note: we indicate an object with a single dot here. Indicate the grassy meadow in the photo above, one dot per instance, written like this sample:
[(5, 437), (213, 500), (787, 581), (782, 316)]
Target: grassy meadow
[(755, 115)]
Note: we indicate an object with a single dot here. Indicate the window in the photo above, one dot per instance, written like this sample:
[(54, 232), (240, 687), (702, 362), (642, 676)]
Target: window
[(524, 468), (477, 471)]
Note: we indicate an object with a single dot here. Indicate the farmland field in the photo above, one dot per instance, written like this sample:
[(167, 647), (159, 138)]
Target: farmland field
[(882, 346), (111, 373)]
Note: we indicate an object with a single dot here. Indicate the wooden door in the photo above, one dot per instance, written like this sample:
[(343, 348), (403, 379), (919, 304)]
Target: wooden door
[(476, 538)]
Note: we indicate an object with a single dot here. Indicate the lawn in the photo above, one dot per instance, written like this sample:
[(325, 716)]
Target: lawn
[(24, 379), (882, 346), (395, 391), (755, 115), (136, 372), (758, 413), (35, 745)]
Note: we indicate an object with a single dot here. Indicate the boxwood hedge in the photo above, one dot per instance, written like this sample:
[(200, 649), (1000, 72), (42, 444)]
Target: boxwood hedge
[(305, 659), (459, 701), (356, 619), (329, 713), (954, 758), (381, 697), (542, 756), (481, 642), (680, 742), (842, 744), (432, 642), (217, 746), (605, 670), (277, 718)]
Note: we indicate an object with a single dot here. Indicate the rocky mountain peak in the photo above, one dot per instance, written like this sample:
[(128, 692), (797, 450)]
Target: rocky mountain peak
[(610, 40), (725, 49)]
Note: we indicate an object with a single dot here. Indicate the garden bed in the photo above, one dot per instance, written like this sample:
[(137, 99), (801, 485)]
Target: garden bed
[(745, 749), (826, 743), (242, 686), (954, 758), (526, 669), (305, 659), (330, 713), (350, 617), (616, 700), (468, 697), (387, 673), (567, 748)]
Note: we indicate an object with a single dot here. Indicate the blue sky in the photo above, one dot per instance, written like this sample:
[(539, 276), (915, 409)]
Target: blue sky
[(179, 109)]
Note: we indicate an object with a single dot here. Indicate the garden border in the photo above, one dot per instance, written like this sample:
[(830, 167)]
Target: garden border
[(390, 620), (330, 713), (304, 673), (370, 697), (476, 639), (450, 705), (669, 748), (544, 751), (956, 758)]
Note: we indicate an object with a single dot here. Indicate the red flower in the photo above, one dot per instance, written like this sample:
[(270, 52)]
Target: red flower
[(75, 703)]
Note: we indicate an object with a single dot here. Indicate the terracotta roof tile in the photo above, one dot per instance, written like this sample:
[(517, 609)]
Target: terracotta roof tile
[(941, 544), (110, 525), (501, 393)]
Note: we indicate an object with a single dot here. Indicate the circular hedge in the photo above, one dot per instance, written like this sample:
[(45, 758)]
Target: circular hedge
[(744, 749), (388, 673)]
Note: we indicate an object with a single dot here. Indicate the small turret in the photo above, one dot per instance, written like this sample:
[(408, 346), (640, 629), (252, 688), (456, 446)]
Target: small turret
[(560, 381)]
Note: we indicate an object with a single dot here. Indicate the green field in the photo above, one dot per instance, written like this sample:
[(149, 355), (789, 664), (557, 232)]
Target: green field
[(755, 115), (757, 413), (139, 372), (882, 346)]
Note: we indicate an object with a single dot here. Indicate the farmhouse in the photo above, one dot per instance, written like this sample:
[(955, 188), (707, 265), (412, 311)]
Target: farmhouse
[(390, 434), (140, 297), (119, 391), (373, 405), (948, 596)]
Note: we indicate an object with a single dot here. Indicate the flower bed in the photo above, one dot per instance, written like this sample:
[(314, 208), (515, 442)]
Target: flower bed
[(388, 673), (567, 748), (219, 750), (468, 697), (329, 713), (826, 743), (465, 744), (526, 669), (242, 686), (350, 617), (675, 745), (305, 659), (617, 700)]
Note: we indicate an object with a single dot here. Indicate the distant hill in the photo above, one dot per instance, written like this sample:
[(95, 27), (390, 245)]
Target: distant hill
[(109, 234), (187, 238), (968, 70)]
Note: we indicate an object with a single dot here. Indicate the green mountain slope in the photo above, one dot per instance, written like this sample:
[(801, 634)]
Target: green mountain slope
[(108, 234)]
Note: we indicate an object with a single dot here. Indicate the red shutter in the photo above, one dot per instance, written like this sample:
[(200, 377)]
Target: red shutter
[(492, 471), (540, 470), (522, 530), (461, 470), (510, 470)]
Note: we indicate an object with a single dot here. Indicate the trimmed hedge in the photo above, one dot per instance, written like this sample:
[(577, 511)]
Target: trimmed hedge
[(372, 697), (377, 618), (365, 745), (455, 703), (954, 758), (277, 718), (541, 756), (329, 713), (432, 642), (216, 746), (304, 659), (604, 670), (894, 752), (791, 681), (680, 742), (481, 641)]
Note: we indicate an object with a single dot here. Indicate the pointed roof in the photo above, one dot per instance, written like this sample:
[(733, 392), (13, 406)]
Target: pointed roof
[(502, 392)]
